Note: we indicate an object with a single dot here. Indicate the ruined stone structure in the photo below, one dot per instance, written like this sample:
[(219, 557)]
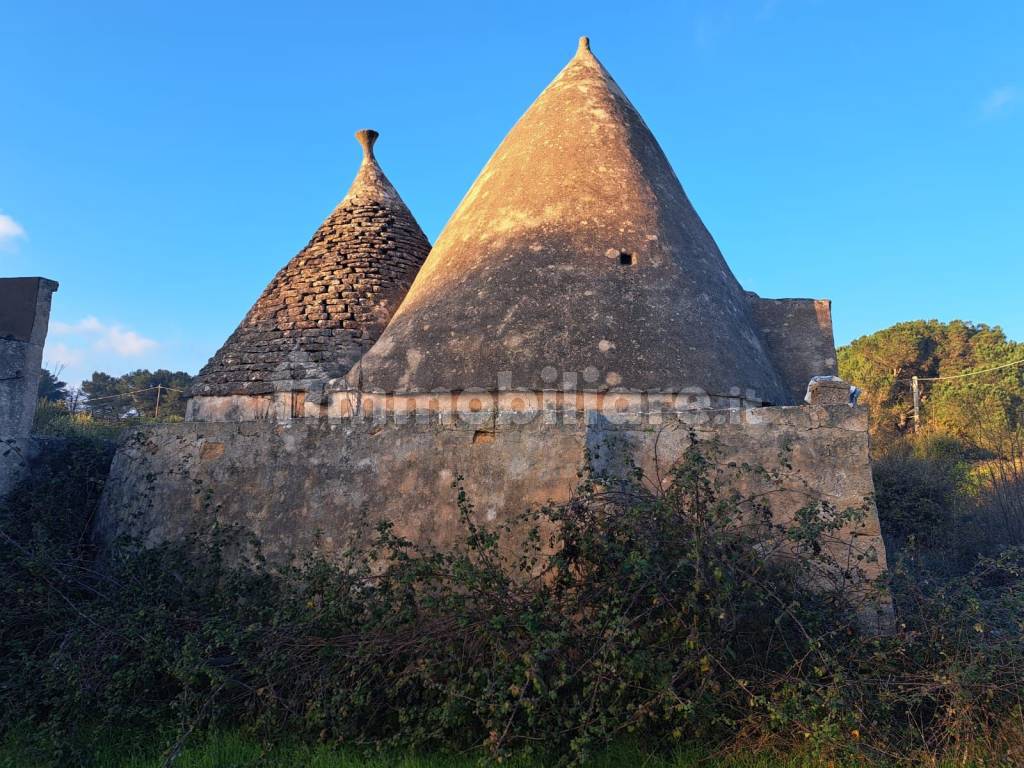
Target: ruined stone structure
[(574, 298), (24, 319)]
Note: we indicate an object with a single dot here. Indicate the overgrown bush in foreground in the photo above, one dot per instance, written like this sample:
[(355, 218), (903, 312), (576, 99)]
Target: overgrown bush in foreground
[(668, 614)]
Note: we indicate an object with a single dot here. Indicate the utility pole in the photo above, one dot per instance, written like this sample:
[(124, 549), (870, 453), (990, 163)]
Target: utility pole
[(156, 414), (916, 386)]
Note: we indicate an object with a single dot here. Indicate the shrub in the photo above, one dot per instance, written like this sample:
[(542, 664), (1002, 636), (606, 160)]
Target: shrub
[(998, 512), (53, 419), (918, 486)]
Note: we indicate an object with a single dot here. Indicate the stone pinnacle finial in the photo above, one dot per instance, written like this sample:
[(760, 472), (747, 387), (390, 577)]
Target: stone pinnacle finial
[(584, 45), (366, 137)]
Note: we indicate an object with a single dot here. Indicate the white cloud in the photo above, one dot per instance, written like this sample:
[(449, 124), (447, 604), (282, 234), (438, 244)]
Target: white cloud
[(125, 343), (109, 338), (999, 99), (10, 231), (60, 354), (86, 325)]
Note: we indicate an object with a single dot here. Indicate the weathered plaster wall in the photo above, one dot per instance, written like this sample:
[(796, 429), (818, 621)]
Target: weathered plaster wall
[(288, 480), (797, 334), (575, 250)]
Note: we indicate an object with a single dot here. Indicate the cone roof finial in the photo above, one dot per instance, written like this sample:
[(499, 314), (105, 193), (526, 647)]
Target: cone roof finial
[(367, 137), (584, 46)]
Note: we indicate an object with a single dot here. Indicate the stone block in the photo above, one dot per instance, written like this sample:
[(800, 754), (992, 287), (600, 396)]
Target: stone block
[(828, 392)]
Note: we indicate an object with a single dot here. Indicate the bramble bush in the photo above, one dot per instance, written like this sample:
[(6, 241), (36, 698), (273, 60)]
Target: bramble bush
[(669, 612)]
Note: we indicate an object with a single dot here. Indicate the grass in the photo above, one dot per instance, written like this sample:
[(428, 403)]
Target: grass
[(235, 750)]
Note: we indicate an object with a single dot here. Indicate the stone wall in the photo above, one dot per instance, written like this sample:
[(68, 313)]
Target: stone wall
[(24, 318), (289, 481)]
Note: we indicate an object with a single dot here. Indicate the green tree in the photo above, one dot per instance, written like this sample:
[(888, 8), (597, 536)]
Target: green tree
[(136, 393), (971, 409), (51, 388)]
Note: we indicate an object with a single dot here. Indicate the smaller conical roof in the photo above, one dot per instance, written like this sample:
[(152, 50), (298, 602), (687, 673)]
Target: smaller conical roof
[(327, 305)]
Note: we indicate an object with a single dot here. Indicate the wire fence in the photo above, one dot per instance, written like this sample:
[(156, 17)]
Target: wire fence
[(964, 375), (89, 400)]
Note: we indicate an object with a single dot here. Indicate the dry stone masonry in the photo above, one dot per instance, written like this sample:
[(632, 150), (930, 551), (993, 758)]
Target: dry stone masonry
[(309, 483), (327, 305)]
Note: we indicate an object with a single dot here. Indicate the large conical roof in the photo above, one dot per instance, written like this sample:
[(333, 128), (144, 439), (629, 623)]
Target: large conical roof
[(576, 250), (325, 308)]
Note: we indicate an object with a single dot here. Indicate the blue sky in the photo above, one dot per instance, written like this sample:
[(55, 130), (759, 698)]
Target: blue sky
[(163, 160)]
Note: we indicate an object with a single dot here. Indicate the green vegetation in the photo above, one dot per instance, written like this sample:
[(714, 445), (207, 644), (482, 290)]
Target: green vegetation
[(953, 490), (54, 419), (628, 614), (107, 404), (51, 388), (975, 410)]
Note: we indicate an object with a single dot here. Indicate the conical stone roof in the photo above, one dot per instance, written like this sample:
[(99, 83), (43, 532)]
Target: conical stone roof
[(576, 250), (325, 308)]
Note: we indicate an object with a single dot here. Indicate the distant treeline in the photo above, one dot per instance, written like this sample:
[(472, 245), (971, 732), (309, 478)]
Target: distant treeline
[(134, 394), (976, 410)]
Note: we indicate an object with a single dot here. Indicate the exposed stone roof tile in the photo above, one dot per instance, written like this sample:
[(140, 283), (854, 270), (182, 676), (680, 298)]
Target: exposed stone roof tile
[(327, 305)]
